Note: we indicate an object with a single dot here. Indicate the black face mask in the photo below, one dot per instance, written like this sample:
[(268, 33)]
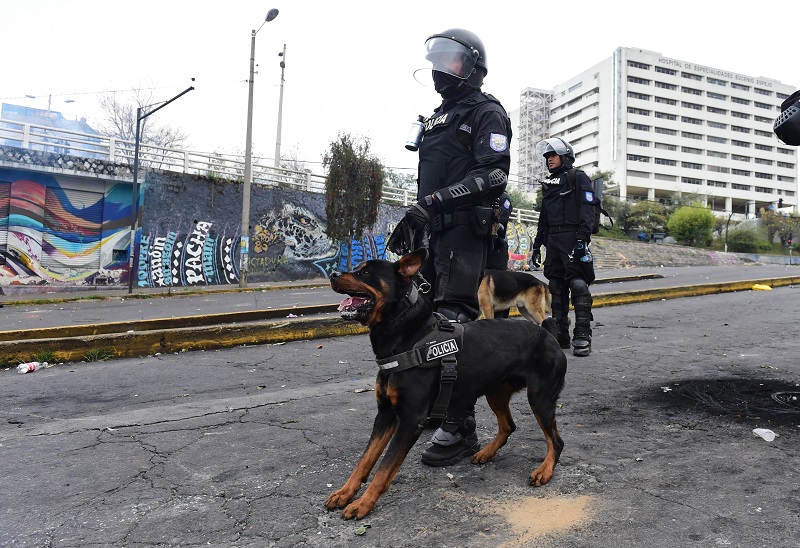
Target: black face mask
[(446, 85)]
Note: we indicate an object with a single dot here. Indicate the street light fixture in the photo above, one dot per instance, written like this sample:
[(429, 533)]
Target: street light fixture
[(248, 160), (141, 115)]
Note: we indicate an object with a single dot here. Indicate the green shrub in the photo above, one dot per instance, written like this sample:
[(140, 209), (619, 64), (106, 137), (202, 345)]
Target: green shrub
[(692, 225), (746, 240)]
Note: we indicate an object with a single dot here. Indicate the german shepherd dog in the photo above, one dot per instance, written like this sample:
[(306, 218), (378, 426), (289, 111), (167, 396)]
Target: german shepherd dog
[(494, 358), (502, 289)]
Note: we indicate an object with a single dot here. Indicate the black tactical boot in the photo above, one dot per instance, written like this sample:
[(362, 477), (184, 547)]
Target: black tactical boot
[(455, 440), (582, 340), (582, 303)]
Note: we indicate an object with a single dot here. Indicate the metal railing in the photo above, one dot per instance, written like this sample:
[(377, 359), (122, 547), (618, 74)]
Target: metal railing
[(210, 165)]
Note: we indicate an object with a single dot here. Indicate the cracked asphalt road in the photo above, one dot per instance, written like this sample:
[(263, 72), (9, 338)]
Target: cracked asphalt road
[(240, 447)]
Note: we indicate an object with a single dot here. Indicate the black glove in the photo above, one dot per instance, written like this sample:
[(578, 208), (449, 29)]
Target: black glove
[(578, 251), (536, 256), (419, 215)]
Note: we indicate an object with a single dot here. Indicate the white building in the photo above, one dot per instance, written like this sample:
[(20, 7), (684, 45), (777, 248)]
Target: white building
[(663, 126)]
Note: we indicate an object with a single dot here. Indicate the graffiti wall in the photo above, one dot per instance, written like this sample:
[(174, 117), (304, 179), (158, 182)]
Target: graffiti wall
[(58, 229), (71, 230)]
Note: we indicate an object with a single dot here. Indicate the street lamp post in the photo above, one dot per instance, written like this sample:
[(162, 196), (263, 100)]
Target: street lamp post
[(141, 114), (248, 160), (282, 55)]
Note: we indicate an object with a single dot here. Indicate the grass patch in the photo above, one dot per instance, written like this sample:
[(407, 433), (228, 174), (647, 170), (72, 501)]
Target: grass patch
[(44, 356), (98, 355)]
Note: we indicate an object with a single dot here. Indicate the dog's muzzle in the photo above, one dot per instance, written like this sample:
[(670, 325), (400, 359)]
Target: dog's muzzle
[(356, 308)]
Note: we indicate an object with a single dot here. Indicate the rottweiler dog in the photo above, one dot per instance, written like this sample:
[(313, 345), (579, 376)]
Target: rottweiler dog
[(502, 289), (495, 358)]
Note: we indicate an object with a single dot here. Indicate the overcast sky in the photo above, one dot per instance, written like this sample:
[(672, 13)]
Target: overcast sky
[(349, 64)]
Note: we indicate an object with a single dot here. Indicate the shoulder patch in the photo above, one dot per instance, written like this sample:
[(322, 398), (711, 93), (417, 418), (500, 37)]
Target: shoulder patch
[(498, 142), (507, 204), (589, 196)]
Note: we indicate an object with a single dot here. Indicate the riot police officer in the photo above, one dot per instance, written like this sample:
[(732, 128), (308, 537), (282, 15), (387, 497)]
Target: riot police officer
[(464, 158), (565, 227)]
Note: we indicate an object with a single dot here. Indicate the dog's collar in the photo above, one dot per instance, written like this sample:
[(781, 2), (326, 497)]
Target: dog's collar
[(442, 340), (411, 298)]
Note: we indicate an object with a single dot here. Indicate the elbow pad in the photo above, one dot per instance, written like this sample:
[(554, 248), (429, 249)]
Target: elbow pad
[(472, 191)]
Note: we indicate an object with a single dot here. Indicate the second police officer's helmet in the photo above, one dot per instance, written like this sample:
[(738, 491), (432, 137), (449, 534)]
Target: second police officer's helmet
[(787, 124), (557, 145), (456, 52)]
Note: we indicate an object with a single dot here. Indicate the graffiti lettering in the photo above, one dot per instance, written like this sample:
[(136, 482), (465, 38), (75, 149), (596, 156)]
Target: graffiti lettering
[(193, 267), (144, 244)]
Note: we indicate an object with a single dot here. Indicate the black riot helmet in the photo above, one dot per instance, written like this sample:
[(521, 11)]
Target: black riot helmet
[(557, 145), (787, 124), (459, 53)]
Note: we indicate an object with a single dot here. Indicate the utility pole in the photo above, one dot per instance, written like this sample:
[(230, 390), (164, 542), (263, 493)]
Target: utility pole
[(282, 55)]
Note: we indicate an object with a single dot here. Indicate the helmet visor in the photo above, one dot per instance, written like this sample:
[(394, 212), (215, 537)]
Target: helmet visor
[(553, 144), (451, 57)]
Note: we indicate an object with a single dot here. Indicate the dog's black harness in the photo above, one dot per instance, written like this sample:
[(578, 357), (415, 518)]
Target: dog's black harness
[(439, 347)]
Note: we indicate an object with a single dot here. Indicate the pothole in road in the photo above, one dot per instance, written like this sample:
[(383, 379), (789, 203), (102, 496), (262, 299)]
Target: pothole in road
[(775, 401)]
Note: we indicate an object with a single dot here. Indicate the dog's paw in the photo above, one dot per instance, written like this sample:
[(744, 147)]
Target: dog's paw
[(540, 476), (483, 456), (338, 499), (358, 509)]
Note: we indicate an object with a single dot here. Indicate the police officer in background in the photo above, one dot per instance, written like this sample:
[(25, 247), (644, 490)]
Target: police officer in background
[(565, 226), (464, 158)]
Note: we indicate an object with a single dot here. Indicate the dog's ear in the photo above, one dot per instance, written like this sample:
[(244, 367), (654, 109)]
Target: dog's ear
[(409, 265)]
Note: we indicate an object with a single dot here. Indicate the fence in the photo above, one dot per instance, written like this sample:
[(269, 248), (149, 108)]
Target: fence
[(209, 165)]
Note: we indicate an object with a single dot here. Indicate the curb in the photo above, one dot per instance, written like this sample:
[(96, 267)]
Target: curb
[(107, 341)]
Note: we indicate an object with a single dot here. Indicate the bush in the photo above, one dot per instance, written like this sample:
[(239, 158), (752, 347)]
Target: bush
[(692, 225), (746, 240)]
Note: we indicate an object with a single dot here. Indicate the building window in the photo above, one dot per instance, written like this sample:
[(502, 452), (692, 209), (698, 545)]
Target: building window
[(740, 100), (691, 165), (719, 96), (665, 116), (665, 131), (638, 174), (736, 114), (666, 101), (574, 87), (786, 151), (763, 105), (636, 95), (664, 146), (717, 125), (780, 95), (740, 158), (715, 139), (785, 179), (637, 64), (785, 164), (690, 135), (638, 158), (763, 91), (740, 129), (762, 119), (662, 177), (691, 180), (736, 143), (693, 106), (764, 147), (690, 150), (715, 154), (763, 189), (737, 186), (690, 120), (691, 76), (762, 133), (715, 110), (639, 111), (640, 127), (637, 142), (693, 91), (637, 80), (734, 85), (665, 85), (665, 70), (718, 184), (718, 169), (716, 81), (764, 161), (760, 175), (665, 162), (742, 172)]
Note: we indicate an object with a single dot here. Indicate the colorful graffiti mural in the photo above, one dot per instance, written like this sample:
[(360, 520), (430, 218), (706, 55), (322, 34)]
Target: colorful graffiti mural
[(60, 229)]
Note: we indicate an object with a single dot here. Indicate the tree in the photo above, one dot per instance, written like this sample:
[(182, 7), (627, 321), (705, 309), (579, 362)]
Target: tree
[(120, 120), (780, 225), (692, 225), (648, 216), (619, 210), (353, 189)]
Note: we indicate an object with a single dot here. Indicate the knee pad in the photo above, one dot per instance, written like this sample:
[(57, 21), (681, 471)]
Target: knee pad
[(560, 300), (581, 301)]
